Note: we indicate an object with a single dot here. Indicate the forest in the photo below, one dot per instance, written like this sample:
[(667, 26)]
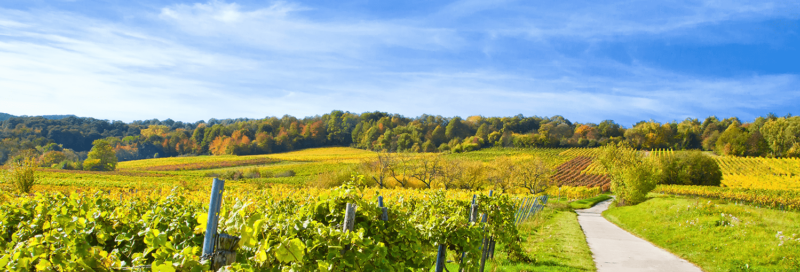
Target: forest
[(69, 138)]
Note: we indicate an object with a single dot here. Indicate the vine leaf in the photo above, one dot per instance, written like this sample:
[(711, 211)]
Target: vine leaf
[(290, 251)]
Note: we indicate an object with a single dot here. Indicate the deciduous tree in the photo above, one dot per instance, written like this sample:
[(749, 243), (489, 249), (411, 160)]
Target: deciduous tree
[(534, 175), (101, 158)]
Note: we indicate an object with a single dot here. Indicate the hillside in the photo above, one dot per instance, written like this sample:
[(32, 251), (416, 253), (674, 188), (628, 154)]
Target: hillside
[(5, 116)]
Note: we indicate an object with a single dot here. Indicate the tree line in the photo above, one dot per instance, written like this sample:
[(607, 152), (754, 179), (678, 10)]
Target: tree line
[(73, 137)]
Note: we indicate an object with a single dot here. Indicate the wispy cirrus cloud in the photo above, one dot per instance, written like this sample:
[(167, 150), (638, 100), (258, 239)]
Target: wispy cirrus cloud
[(279, 27)]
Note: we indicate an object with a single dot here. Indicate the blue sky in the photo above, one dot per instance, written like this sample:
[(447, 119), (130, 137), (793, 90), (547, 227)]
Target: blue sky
[(586, 60)]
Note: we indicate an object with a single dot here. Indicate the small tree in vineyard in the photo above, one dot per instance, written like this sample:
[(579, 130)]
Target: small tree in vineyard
[(534, 175), (101, 158), (632, 174), (20, 174)]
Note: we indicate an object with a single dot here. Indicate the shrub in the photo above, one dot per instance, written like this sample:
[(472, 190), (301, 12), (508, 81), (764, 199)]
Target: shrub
[(21, 174), (93, 165), (51, 158), (69, 165), (252, 173), (287, 173), (690, 168), (632, 175), (267, 174), (232, 175)]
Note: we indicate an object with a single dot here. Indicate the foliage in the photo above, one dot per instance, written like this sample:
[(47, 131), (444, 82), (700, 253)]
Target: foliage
[(555, 241), (690, 168), (287, 173), (573, 193), (280, 229), (51, 158), (332, 179), (781, 199), (766, 136), (501, 176), (534, 175), (101, 158), (632, 174), (21, 174)]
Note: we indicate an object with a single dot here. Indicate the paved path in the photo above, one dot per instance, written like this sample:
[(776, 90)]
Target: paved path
[(614, 249)]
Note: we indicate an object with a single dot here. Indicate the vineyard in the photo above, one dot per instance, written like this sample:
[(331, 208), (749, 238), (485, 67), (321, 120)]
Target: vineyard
[(573, 167), (754, 172), (581, 170), (280, 228), (573, 193), (781, 199), (151, 213), (571, 174)]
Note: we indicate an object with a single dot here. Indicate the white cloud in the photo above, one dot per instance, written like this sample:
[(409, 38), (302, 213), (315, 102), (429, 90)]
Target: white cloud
[(108, 72), (280, 27)]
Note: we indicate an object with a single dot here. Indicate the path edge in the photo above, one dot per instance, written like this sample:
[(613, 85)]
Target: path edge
[(602, 214)]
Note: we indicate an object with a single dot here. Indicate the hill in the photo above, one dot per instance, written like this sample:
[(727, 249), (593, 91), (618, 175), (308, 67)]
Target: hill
[(5, 116)]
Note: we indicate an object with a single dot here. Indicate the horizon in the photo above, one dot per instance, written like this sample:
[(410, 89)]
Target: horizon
[(586, 61)]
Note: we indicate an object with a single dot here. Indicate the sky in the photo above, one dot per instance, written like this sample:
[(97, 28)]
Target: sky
[(588, 61)]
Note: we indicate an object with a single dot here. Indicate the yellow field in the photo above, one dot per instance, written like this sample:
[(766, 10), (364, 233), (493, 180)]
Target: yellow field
[(335, 154), (760, 173), (143, 164)]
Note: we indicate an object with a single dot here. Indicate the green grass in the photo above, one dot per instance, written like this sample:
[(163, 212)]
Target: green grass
[(589, 202), (553, 239), (714, 234)]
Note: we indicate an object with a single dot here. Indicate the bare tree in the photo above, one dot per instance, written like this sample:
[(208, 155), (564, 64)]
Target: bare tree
[(381, 167), (534, 175), (427, 170), (452, 172), (402, 169)]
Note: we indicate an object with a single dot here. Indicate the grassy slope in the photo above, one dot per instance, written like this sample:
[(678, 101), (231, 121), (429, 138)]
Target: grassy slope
[(703, 232), (555, 241)]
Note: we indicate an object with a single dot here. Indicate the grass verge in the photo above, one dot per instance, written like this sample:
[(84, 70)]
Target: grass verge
[(589, 202), (714, 234), (554, 239)]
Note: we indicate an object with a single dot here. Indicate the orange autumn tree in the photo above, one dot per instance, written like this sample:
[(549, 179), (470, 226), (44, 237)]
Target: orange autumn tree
[(237, 144)]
